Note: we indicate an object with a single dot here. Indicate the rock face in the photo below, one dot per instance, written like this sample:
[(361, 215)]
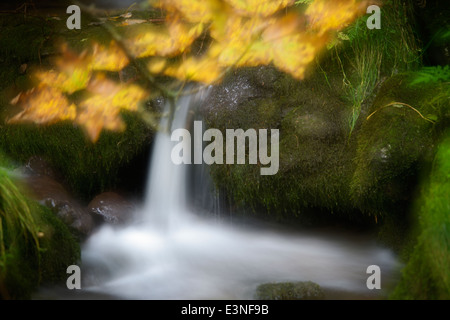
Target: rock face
[(111, 208), (290, 291), (52, 194)]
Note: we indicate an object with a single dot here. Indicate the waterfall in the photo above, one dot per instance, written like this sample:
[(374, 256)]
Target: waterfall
[(171, 252)]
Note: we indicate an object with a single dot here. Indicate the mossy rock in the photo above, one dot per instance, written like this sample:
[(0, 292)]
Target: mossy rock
[(87, 168), (396, 141), (289, 291), (319, 124), (315, 152), (427, 273), (35, 246)]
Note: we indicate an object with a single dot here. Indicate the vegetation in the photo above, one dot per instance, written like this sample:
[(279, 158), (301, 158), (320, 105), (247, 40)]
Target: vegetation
[(35, 247), (87, 168), (427, 273), (363, 121)]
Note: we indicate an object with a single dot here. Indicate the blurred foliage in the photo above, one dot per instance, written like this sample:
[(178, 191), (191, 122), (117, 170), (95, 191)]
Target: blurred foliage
[(432, 75), (243, 33), (427, 273)]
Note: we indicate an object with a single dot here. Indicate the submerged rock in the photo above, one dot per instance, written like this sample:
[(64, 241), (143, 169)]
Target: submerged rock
[(111, 208), (290, 291)]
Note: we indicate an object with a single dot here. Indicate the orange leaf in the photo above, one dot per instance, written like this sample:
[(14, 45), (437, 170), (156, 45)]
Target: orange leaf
[(102, 109), (72, 72), (110, 58), (95, 116), (147, 40), (333, 15), (263, 8), (195, 11), (43, 105), (204, 70)]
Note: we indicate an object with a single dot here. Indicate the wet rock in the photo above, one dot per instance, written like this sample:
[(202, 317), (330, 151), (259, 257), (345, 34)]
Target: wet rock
[(234, 92), (290, 291), (53, 195), (39, 166), (111, 208)]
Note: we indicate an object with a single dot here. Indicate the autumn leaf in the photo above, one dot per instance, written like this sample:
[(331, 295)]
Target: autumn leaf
[(43, 105), (241, 33), (102, 109), (195, 11), (108, 58), (72, 72), (147, 40), (203, 69), (94, 116), (334, 15), (263, 8)]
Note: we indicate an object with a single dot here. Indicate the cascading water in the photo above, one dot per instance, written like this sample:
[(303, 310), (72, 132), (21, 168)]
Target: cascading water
[(172, 253)]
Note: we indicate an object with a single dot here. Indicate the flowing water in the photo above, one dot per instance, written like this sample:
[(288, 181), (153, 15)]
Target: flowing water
[(170, 252)]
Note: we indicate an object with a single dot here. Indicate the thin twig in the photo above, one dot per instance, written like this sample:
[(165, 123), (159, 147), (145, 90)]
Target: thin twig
[(402, 104)]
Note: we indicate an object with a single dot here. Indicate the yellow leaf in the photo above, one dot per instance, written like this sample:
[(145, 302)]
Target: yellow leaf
[(157, 65), (129, 97), (205, 70), (196, 11), (263, 8), (111, 58), (333, 15), (43, 105), (294, 53), (72, 72), (102, 109), (95, 116), (66, 82), (234, 44), (147, 40)]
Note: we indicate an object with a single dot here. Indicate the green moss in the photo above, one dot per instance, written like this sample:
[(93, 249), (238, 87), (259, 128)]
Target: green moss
[(35, 247), (86, 167), (369, 56), (427, 273), (395, 143), (315, 153)]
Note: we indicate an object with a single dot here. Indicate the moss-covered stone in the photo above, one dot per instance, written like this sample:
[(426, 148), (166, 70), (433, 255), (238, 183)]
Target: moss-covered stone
[(395, 143), (86, 167), (427, 273), (289, 291), (320, 121), (315, 153)]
